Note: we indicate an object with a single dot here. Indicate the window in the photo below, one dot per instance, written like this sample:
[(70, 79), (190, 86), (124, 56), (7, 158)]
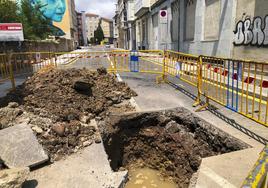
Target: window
[(175, 21), (190, 8), (212, 19)]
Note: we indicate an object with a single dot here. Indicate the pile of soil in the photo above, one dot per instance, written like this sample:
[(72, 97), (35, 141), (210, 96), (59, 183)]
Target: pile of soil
[(56, 93), (173, 142), (60, 105)]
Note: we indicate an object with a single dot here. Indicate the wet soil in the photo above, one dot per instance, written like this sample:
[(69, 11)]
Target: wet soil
[(173, 142)]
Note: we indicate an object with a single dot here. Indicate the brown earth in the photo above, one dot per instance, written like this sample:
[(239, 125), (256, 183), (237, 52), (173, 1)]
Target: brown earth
[(59, 105), (173, 142), (52, 94)]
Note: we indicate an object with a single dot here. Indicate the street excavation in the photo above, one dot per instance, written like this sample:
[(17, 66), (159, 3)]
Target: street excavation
[(66, 119)]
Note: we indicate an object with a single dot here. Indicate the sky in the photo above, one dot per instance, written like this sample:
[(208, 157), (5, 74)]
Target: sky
[(104, 8)]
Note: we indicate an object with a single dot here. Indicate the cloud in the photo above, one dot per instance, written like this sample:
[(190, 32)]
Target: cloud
[(105, 8)]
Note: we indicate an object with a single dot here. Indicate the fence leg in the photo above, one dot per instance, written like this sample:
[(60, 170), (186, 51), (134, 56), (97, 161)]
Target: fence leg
[(199, 83), (203, 106), (11, 73)]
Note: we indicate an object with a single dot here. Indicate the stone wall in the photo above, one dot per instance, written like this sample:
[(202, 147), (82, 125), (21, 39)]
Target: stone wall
[(63, 45)]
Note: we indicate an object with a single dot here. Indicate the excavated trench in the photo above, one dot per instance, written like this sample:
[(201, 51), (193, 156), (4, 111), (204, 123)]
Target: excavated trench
[(172, 142)]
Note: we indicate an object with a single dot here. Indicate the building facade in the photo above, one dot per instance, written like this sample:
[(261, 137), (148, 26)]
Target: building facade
[(228, 28), (92, 22), (81, 29), (107, 27)]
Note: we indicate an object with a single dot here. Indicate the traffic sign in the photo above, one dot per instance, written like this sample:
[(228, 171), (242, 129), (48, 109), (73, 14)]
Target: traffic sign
[(11, 32), (163, 16)]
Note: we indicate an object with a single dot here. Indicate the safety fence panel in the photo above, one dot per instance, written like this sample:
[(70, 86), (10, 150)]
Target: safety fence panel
[(6, 72), (91, 60), (258, 176), (182, 66), (4, 68), (240, 85), (120, 61), (30, 62), (150, 61)]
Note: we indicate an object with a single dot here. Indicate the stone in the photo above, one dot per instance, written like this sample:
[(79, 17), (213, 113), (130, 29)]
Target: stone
[(13, 105), (20, 148), (98, 139), (59, 128), (102, 71), (37, 129), (13, 178), (84, 119), (87, 143), (83, 86), (173, 127)]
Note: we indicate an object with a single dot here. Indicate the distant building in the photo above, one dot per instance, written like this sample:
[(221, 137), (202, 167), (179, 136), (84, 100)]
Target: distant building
[(92, 22), (115, 28), (107, 27), (81, 28)]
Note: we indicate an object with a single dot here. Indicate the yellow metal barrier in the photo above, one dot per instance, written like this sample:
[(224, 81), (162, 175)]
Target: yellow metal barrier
[(182, 66), (142, 61), (6, 71), (30, 62), (258, 177), (240, 85)]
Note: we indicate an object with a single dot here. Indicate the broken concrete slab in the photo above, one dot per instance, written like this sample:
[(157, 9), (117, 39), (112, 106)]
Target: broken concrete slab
[(88, 168), (13, 178), (20, 148)]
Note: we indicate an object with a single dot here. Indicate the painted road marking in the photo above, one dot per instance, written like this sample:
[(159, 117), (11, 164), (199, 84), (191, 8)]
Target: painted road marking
[(112, 64)]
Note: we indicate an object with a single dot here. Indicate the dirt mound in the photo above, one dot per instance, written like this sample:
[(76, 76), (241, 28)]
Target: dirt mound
[(59, 106), (66, 95)]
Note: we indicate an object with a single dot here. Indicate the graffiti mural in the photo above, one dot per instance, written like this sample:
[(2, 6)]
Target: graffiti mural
[(253, 32), (57, 11)]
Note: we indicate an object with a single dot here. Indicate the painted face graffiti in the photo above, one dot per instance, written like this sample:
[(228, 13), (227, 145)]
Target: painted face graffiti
[(252, 33), (52, 9)]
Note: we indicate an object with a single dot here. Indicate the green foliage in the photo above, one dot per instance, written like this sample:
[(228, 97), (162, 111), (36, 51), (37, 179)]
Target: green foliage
[(35, 25), (8, 12), (98, 34), (92, 40)]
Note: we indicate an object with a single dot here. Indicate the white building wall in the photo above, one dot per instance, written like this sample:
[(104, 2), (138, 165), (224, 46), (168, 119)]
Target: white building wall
[(221, 46)]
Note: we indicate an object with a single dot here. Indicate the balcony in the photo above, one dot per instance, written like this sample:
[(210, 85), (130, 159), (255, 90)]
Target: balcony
[(141, 7)]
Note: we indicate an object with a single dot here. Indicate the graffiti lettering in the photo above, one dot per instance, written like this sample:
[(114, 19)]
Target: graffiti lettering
[(252, 33)]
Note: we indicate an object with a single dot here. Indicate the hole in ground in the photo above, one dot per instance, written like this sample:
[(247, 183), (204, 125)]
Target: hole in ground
[(172, 142)]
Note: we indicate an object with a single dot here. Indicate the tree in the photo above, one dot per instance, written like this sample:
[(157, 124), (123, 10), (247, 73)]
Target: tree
[(8, 11), (92, 40), (98, 34), (35, 25)]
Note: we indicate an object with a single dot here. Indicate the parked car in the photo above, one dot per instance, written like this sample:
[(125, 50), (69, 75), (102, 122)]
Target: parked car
[(107, 45)]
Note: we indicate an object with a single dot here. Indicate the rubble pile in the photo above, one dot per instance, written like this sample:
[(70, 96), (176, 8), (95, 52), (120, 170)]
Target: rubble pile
[(66, 95), (60, 107)]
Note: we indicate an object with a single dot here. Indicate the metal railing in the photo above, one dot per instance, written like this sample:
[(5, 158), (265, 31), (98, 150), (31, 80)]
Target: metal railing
[(258, 176), (6, 70), (239, 85)]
